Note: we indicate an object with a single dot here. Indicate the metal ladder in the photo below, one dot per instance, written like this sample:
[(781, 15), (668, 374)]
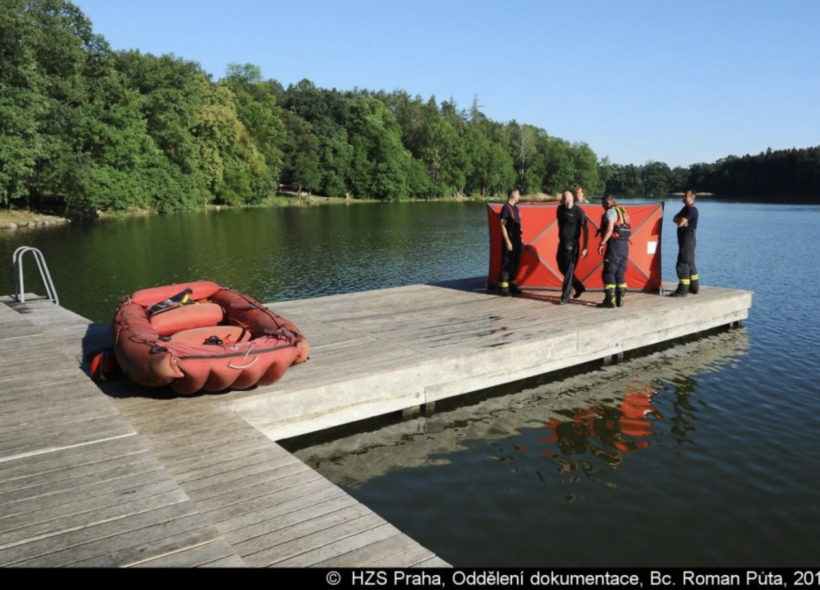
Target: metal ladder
[(17, 260)]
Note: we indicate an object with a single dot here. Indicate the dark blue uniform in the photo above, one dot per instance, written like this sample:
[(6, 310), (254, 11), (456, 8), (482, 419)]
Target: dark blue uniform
[(687, 238), (510, 260), (615, 257)]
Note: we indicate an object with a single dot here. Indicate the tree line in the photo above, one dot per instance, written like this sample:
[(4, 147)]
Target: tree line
[(84, 128), (771, 174)]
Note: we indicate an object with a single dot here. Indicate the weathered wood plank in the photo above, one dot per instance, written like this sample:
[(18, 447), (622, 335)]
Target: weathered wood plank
[(37, 484), (195, 556), (308, 536), (257, 491), (55, 463), (250, 458), (37, 529), (83, 498), (259, 534), (433, 562), (125, 538), (395, 550), (232, 561), (278, 507), (38, 439), (191, 548), (278, 500), (236, 483), (333, 552)]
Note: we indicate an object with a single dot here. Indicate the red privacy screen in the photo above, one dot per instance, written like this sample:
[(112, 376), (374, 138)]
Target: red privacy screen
[(539, 268)]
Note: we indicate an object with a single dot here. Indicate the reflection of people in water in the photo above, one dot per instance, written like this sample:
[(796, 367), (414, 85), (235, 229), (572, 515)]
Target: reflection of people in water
[(682, 408), (615, 430)]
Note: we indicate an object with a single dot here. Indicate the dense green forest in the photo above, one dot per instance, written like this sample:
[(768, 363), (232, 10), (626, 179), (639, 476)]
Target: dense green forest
[(85, 129), (793, 173)]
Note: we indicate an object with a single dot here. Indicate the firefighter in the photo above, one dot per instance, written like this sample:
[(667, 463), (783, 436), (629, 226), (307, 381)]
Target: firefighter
[(511, 243), (615, 231), (687, 222)]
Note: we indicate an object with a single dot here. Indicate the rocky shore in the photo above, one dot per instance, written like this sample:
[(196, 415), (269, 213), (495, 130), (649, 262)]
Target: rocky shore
[(12, 220)]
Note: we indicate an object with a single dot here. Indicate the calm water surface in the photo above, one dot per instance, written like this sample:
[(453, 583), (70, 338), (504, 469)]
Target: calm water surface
[(705, 453), (272, 254)]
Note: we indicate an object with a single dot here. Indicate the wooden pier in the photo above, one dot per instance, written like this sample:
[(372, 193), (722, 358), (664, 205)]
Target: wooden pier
[(120, 475), (381, 351)]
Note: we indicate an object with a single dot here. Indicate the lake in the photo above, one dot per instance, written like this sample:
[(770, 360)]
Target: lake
[(699, 454), (272, 254)]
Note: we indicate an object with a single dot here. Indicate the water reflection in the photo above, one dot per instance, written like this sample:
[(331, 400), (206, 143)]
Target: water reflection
[(591, 451), (605, 431), (625, 445), (271, 254), (587, 419)]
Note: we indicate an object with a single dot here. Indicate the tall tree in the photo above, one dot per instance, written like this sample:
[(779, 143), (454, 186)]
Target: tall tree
[(301, 154), (381, 166), (22, 102), (587, 172), (523, 150), (259, 111), (62, 44), (171, 94), (330, 117), (558, 163), (656, 178)]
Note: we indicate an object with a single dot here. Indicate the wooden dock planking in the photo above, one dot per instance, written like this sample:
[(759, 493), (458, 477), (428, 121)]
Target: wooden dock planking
[(263, 513), (216, 491), (239, 480), (205, 553), (53, 467), (391, 549), (360, 538), (257, 491), (98, 539), (305, 538), (77, 485), (255, 524), (414, 345), (282, 528)]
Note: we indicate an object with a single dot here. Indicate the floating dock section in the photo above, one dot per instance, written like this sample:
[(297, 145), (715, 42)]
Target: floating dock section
[(121, 475), (381, 351)]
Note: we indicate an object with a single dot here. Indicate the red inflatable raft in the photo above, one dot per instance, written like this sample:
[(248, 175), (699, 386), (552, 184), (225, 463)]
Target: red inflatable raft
[(202, 336)]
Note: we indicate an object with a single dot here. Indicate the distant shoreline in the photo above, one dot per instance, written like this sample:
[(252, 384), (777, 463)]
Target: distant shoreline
[(20, 219), (16, 219)]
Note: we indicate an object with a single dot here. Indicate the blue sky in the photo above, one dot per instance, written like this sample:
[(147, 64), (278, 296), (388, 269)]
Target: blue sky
[(638, 80)]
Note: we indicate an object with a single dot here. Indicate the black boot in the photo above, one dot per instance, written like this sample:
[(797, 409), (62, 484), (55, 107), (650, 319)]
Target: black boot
[(579, 290), (504, 283), (680, 291), (694, 286), (619, 297), (609, 299), (514, 290)]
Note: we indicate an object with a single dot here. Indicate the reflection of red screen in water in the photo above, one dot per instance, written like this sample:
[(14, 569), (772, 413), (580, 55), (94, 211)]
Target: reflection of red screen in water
[(539, 268), (618, 430)]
